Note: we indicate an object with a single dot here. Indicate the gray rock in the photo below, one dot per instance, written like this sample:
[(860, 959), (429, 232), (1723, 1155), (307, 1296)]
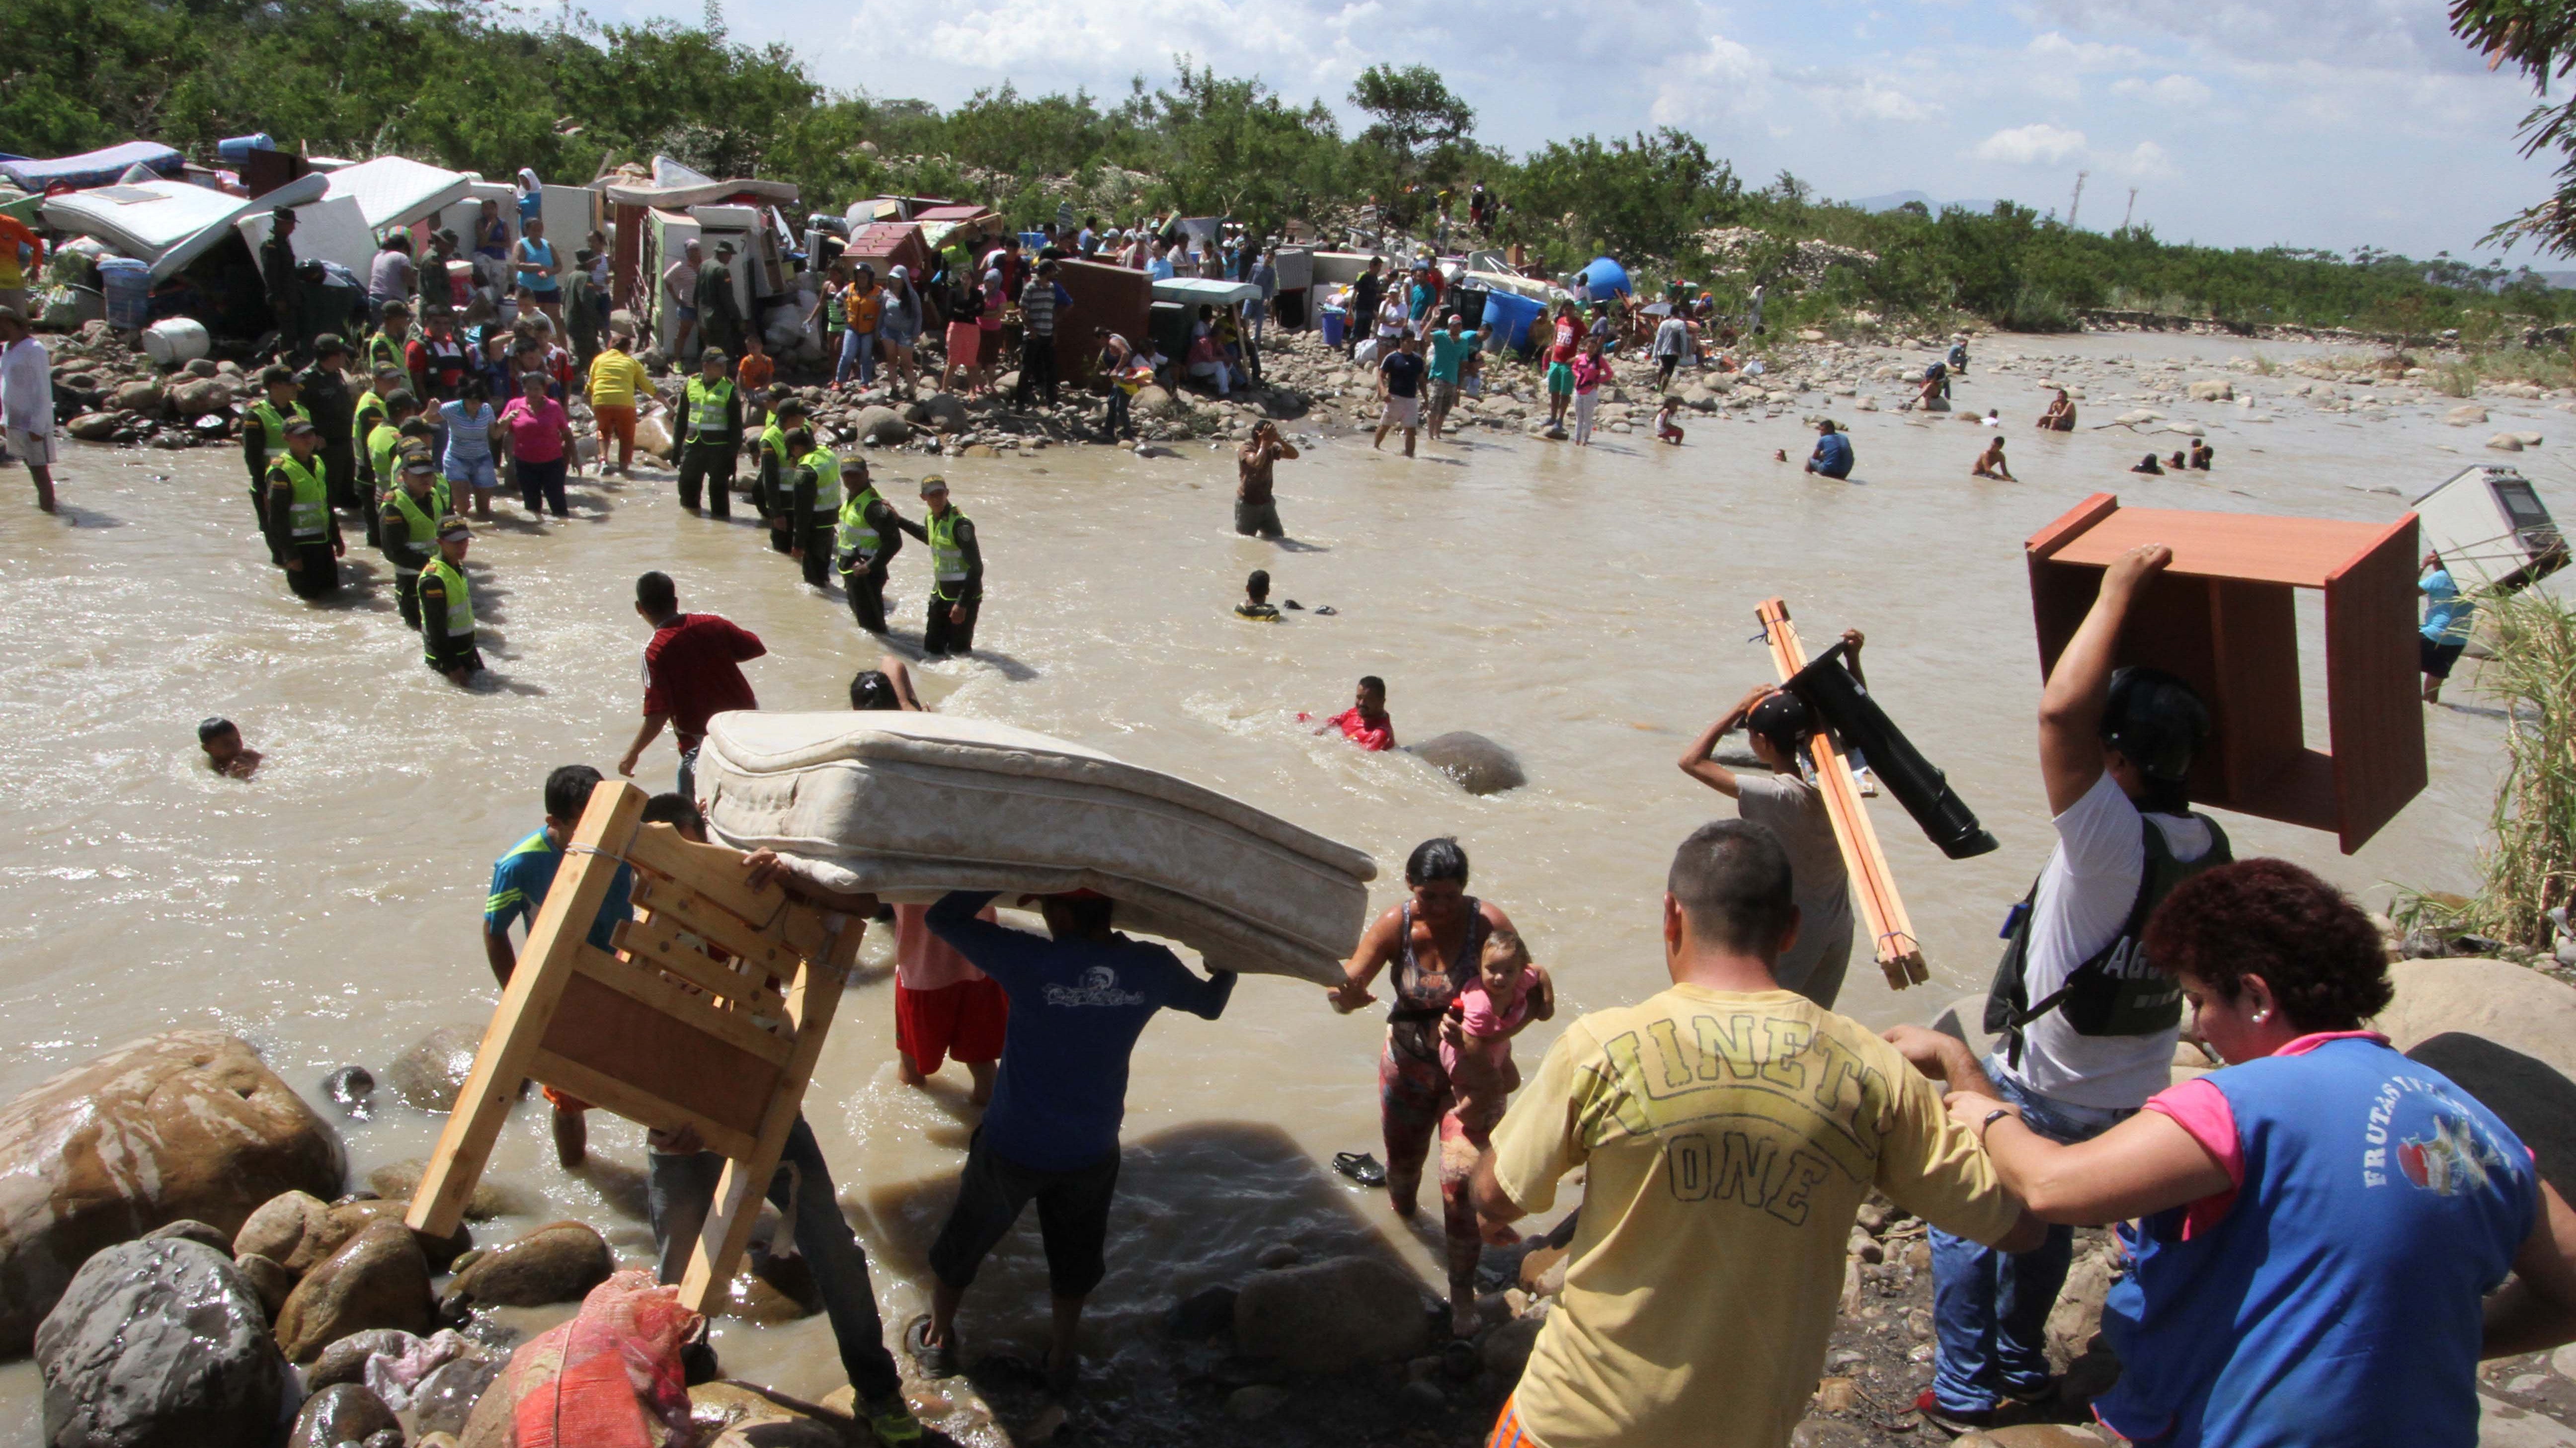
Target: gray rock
[(145, 397), (2213, 389), (944, 411), (345, 1361), (1154, 401), (188, 1125), (344, 1413), (352, 1089), (1506, 1349), (1829, 1433), (202, 367), (2467, 414), (94, 426), (1253, 1403), (1478, 764), (882, 425), (445, 1400), (430, 1075), (160, 1345), (201, 395), (1329, 1316), (1278, 1254), (380, 1279), (191, 1231), (556, 1263), (2505, 442), (288, 1229)]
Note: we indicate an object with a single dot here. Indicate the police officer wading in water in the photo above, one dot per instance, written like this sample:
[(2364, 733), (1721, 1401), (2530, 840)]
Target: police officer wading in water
[(323, 388), (772, 485), (2088, 1025), (264, 439), (447, 607), (408, 527), (303, 532), (956, 571), (871, 534), (814, 504), (374, 406), (712, 409)]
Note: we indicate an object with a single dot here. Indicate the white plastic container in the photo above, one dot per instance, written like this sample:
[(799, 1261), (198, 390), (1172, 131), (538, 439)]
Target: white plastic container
[(176, 342)]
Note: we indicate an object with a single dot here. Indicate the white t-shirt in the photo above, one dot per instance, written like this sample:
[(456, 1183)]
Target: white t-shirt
[(2085, 893), (1793, 810)]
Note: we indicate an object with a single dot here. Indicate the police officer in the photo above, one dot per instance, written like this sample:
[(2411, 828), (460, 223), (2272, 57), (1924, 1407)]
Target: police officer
[(323, 388), (447, 607), (771, 492), (956, 572), (711, 411), (410, 526), (302, 529), (264, 437), (815, 505), (870, 535), (366, 414)]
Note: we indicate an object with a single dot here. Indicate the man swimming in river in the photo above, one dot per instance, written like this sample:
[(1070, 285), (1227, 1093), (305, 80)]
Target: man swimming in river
[(222, 741), (1256, 604), (1365, 723)]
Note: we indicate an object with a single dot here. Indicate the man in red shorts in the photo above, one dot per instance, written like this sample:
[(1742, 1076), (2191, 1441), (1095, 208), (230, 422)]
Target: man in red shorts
[(944, 1006)]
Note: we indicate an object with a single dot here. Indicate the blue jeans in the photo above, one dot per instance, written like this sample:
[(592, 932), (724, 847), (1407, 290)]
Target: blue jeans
[(1989, 1308), (680, 1189), (858, 348)]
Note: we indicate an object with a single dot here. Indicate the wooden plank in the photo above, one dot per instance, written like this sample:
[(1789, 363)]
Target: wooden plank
[(2069, 524), (528, 1005), (812, 997), (1891, 931), (713, 871), (2255, 548), (2373, 693), (667, 946), (722, 928), (643, 984), (611, 1093)]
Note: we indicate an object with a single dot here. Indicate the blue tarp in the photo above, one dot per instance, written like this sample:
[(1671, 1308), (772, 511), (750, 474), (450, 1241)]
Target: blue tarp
[(92, 168), (1603, 279)]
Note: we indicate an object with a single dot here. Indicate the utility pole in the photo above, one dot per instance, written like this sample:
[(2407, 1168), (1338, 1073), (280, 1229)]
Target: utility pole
[(2078, 201), (2132, 211)]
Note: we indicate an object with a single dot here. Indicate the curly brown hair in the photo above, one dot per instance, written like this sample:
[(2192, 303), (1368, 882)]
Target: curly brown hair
[(2315, 948)]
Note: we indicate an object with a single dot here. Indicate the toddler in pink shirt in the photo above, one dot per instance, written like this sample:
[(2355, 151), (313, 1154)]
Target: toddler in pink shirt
[(1476, 1042)]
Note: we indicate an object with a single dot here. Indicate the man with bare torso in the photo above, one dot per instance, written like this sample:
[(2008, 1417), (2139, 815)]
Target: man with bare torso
[(1256, 510)]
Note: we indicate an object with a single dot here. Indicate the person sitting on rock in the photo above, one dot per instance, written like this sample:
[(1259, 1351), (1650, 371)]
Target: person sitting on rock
[(2060, 416)]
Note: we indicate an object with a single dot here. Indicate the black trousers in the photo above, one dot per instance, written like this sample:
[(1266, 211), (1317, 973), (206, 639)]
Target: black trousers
[(1118, 420), (340, 473), (319, 577), (865, 584), (1037, 369), (782, 533), (1073, 1219), (818, 549), (407, 594), (707, 466), (941, 635)]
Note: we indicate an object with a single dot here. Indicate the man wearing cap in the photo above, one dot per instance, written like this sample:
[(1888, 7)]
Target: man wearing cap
[(303, 532), (869, 535), (1079, 1001), (719, 315), (27, 402), (585, 315), (711, 435), (277, 273), (772, 488), (264, 435), (408, 529), (323, 388), (956, 571), (367, 414), (447, 607), (814, 503), (2087, 1025)]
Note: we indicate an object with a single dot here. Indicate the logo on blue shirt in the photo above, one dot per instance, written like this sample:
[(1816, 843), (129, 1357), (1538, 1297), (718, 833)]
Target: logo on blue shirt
[(1099, 988)]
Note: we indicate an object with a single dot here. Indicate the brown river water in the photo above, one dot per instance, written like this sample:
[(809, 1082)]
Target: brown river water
[(1590, 609)]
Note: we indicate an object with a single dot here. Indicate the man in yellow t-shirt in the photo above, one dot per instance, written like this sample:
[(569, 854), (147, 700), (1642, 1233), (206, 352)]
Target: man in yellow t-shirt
[(1731, 1130)]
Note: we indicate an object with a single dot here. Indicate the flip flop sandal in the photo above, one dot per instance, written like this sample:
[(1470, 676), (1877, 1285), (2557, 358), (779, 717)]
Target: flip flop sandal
[(1360, 1167), (934, 1362)]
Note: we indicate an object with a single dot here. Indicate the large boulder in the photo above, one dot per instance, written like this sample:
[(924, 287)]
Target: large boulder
[(943, 411), (2492, 999), (297, 1230), (1478, 764), (161, 1344), (2213, 389), (1332, 1315), (558, 1263), (199, 396), (94, 426), (431, 1075), (881, 425), (145, 396), (380, 1279), (2467, 414), (187, 1124), (344, 1413)]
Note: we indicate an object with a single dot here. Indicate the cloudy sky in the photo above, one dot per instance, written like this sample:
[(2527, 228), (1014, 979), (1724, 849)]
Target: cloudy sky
[(2331, 123)]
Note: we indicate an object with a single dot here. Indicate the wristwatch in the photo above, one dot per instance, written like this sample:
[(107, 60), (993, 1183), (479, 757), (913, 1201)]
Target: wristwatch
[(1998, 1114)]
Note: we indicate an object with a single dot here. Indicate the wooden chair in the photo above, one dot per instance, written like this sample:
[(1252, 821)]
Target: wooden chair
[(662, 1031)]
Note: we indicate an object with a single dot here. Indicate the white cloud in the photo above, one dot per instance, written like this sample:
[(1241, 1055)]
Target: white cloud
[(2084, 55), (2175, 92), (2036, 144), (2145, 161)]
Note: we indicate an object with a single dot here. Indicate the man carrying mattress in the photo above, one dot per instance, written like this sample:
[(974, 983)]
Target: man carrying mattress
[(1078, 1003)]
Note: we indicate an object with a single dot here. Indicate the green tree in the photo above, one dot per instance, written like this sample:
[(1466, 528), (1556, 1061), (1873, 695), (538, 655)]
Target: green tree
[(2539, 38)]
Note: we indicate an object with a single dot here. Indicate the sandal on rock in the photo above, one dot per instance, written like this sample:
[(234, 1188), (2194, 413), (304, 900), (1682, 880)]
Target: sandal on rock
[(938, 1361), (1360, 1167)]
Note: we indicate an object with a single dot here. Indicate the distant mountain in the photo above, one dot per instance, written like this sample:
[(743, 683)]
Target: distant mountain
[(2563, 280), (1895, 199)]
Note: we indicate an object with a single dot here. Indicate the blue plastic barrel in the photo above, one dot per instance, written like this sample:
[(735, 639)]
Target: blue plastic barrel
[(1333, 322), (1510, 315), (237, 149), (127, 284)]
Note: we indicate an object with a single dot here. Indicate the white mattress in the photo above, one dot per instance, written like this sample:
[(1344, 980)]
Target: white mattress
[(913, 805), (396, 190)]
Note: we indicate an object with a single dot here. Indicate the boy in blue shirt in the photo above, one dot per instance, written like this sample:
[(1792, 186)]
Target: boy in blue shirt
[(1833, 455), (2446, 625), (520, 879), (1078, 1003)]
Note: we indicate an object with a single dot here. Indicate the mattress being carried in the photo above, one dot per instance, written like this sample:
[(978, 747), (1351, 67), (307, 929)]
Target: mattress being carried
[(909, 806)]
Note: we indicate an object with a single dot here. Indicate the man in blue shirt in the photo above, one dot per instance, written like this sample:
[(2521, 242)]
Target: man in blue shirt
[(2446, 625), (1448, 348), (1833, 455), (520, 880), (1078, 1003)]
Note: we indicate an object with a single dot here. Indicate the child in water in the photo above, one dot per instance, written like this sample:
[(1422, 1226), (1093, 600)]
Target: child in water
[(225, 755), (1667, 429), (1256, 604)]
